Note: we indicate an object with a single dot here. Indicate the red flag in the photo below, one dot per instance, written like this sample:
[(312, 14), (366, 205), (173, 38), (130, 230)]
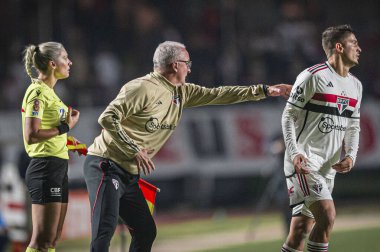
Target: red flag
[(149, 191)]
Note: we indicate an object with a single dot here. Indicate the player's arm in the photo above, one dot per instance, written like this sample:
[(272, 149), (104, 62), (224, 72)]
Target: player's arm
[(289, 117), (129, 101), (351, 146), (198, 96), (302, 91), (351, 142)]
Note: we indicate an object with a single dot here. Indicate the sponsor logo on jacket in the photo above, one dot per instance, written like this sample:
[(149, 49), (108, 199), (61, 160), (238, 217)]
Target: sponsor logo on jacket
[(153, 125)]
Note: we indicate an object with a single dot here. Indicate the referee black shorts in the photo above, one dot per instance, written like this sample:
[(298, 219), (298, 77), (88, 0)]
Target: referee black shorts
[(47, 180)]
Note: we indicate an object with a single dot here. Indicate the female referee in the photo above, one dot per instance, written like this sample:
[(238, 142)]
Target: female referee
[(45, 122)]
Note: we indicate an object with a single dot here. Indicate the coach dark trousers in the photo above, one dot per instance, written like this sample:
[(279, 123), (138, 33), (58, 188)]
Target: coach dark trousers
[(114, 192)]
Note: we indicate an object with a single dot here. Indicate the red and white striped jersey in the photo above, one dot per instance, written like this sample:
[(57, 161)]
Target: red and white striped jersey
[(322, 112)]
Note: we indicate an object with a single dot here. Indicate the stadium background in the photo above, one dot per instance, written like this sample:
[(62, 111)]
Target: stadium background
[(219, 159)]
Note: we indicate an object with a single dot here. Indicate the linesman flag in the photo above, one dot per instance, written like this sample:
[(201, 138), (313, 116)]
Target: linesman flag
[(149, 191), (79, 147)]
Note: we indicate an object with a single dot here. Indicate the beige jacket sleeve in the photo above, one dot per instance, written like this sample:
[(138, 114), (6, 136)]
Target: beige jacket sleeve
[(195, 95), (131, 99)]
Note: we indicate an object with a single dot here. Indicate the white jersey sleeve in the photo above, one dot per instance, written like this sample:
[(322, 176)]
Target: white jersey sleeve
[(302, 91), (351, 139)]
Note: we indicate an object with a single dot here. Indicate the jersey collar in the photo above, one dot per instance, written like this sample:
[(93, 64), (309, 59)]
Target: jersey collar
[(163, 81)]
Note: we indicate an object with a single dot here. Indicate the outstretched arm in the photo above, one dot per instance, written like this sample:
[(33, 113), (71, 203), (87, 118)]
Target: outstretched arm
[(195, 95)]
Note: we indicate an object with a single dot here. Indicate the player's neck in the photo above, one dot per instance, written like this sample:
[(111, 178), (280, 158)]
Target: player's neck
[(171, 77), (339, 66)]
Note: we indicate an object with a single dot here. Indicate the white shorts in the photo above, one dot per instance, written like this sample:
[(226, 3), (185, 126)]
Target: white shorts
[(305, 189)]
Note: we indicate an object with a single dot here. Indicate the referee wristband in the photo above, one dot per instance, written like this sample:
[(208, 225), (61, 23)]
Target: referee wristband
[(63, 128)]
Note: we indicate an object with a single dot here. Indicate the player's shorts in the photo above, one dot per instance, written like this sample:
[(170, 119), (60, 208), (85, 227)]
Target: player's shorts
[(305, 189), (47, 180)]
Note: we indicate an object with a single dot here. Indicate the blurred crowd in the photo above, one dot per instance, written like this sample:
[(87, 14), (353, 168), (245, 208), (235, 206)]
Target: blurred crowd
[(230, 41)]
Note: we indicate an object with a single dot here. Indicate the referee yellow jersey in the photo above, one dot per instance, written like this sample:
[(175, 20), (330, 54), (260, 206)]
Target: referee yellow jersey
[(40, 101)]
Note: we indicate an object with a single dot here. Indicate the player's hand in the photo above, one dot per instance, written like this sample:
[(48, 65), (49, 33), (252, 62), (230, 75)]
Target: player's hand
[(300, 164), (143, 161), (280, 90), (344, 166), (72, 117)]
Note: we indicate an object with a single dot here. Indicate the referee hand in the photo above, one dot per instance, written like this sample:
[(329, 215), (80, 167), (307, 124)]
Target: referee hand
[(72, 117), (143, 161)]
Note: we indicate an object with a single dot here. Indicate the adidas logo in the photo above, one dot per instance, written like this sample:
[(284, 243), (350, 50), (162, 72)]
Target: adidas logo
[(330, 84), (159, 103), (115, 183)]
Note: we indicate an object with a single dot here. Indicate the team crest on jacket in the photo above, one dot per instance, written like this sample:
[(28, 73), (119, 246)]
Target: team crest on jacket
[(176, 100), (115, 183), (342, 104)]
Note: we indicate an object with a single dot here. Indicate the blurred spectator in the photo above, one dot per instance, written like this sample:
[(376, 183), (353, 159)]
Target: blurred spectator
[(107, 70), (3, 234), (3, 229), (260, 41), (281, 192), (23, 163)]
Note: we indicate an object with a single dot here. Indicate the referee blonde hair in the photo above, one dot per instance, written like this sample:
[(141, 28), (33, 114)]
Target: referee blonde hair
[(39, 56)]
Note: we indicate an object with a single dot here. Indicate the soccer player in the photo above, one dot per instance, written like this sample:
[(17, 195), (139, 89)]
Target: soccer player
[(322, 112), (45, 122), (136, 124)]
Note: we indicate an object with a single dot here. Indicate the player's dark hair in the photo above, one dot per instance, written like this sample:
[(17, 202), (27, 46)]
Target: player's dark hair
[(333, 35)]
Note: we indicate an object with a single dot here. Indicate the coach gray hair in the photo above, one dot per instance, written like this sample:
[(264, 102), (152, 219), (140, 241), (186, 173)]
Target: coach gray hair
[(166, 53), (40, 55)]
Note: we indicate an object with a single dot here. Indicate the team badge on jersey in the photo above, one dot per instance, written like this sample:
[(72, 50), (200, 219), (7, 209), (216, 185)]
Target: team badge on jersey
[(291, 191), (176, 100), (318, 187), (342, 104)]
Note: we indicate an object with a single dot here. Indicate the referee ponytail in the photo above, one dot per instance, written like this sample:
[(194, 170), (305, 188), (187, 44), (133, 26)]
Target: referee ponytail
[(39, 56)]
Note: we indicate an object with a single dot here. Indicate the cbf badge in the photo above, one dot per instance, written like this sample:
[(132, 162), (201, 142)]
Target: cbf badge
[(176, 100), (36, 107), (62, 114)]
